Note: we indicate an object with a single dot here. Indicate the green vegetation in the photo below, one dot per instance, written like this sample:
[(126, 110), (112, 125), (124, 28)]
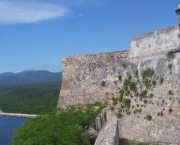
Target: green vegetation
[(147, 73), (124, 65), (30, 99), (170, 110), (160, 114), (103, 83), (170, 92), (115, 101), (59, 127), (170, 55), (145, 101), (149, 117), (119, 77), (127, 103), (112, 107), (140, 87), (136, 74)]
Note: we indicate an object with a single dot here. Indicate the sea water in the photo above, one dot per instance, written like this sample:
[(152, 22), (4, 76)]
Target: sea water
[(7, 126)]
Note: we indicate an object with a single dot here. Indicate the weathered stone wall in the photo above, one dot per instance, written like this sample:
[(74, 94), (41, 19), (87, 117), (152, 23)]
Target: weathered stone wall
[(154, 43), (149, 51), (83, 76)]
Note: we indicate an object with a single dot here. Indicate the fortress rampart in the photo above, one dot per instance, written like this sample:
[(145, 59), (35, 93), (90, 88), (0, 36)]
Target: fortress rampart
[(153, 113)]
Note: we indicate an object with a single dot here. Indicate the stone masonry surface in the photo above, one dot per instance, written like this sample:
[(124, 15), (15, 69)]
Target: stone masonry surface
[(100, 77), (109, 134)]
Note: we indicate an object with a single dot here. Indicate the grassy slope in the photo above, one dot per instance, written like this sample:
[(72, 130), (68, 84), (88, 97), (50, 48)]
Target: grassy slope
[(31, 99)]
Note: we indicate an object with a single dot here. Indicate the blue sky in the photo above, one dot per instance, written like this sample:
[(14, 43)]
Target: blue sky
[(37, 34)]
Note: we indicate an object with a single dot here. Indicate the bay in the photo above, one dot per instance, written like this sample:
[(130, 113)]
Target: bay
[(7, 126)]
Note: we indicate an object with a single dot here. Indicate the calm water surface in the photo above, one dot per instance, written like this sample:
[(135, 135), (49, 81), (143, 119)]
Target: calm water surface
[(7, 126)]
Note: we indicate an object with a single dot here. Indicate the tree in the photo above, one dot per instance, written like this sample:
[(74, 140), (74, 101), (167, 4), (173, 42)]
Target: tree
[(59, 127)]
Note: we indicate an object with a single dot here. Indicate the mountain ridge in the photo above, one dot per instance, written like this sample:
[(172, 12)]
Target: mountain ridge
[(29, 77)]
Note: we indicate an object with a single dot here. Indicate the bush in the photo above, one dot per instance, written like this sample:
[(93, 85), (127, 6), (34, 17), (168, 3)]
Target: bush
[(62, 127), (160, 114), (145, 101), (132, 86), (170, 92), (112, 107), (119, 77), (103, 83), (115, 101), (170, 55), (149, 117), (154, 83), (170, 110), (124, 65), (147, 73), (136, 74), (127, 103)]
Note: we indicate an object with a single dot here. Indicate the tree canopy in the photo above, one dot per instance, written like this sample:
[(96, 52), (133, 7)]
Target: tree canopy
[(59, 127)]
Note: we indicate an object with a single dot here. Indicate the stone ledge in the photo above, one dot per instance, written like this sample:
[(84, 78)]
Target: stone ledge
[(109, 134)]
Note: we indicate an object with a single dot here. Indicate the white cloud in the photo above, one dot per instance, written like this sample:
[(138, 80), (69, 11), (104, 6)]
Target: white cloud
[(30, 12)]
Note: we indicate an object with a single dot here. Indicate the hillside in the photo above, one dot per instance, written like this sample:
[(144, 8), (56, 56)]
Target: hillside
[(29, 77), (32, 99)]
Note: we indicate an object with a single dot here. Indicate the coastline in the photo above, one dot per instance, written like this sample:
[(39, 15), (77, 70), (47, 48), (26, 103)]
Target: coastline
[(18, 115)]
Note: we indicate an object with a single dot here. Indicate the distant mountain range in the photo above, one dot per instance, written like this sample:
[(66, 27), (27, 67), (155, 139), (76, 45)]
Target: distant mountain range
[(29, 77)]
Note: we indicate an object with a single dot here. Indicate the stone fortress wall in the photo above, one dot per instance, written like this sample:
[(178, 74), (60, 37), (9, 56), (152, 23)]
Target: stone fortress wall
[(83, 75), (100, 77)]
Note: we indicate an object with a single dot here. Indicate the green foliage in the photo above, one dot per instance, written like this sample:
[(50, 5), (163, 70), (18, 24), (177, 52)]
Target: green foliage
[(147, 73), (145, 101), (124, 65), (121, 95), (137, 111), (170, 92), (126, 82), (120, 78), (143, 94), (119, 115), (115, 101), (170, 66), (127, 103), (136, 74), (151, 95), (160, 114), (154, 83), (59, 127), (103, 83), (170, 110), (149, 117), (170, 55), (132, 86), (112, 107), (147, 82), (30, 99)]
